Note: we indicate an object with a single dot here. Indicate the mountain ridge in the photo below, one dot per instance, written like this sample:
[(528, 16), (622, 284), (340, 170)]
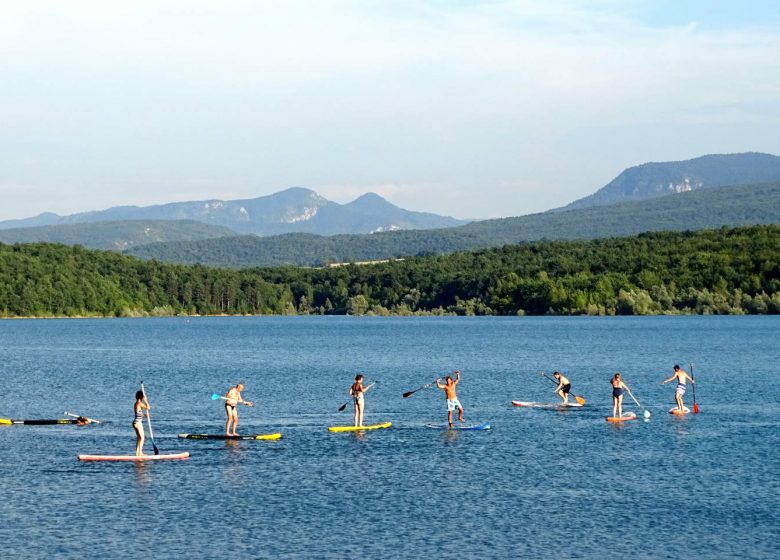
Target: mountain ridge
[(656, 179), (701, 209), (295, 209)]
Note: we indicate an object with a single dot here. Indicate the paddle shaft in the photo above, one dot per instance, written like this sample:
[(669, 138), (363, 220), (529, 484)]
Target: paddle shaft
[(410, 393), (80, 416), (693, 387), (149, 420), (215, 396)]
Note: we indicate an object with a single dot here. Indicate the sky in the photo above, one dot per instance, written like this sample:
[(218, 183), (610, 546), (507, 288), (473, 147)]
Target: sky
[(474, 109)]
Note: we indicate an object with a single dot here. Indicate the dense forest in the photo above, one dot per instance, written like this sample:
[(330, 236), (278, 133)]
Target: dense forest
[(702, 209), (715, 271)]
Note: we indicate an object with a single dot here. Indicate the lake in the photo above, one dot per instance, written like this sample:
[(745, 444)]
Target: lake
[(543, 483)]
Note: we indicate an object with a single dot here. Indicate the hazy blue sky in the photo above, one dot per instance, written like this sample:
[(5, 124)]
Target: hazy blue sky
[(469, 108)]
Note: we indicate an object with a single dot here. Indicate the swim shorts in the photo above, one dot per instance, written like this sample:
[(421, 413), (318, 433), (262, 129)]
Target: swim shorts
[(452, 404)]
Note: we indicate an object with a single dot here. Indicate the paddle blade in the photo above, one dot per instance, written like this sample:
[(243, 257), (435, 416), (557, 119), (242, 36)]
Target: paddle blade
[(342, 407), (408, 394), (156, 451), (647, 413), (579, 400), (695, 408), (215, 396)]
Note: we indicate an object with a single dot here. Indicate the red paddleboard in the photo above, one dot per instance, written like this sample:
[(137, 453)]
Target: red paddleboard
[(675, 410), (626, 416), (133, 457)]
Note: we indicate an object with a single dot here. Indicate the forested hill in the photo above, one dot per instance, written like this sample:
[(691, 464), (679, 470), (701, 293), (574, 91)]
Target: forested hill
[(707, 208), (716, 271), (118, 235)]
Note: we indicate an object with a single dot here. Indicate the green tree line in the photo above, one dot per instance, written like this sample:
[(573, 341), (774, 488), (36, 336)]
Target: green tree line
[(724, 271)]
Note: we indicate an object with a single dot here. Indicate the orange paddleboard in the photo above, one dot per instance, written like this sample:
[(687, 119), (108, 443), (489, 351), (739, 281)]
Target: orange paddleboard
[(626, 416)]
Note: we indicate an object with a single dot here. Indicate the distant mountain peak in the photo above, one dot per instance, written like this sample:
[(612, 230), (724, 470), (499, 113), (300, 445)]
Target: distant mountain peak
[(654, 179)]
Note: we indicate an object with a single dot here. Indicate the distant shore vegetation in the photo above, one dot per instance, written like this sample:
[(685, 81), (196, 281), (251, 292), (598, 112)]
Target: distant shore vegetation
[(724, 271)]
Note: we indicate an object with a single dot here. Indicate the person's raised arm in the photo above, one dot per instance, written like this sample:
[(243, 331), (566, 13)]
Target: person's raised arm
[(457, 376)]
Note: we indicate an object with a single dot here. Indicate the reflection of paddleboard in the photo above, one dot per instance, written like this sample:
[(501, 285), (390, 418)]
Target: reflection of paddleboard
[(359, 428), (223, 436), (533, 404), (485, 426), (626, 416), (674, 410), (133, 457)]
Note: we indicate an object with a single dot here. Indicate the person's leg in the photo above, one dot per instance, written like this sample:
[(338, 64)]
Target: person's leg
[(229, 420), (235, 421), (614, 406), (460, 413), (139, 442), (449, 418), (620, 406), (360, 412), (356, 416)]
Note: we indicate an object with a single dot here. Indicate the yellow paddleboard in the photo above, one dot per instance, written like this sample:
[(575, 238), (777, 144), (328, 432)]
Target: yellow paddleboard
[(359, 428), (269, 436)]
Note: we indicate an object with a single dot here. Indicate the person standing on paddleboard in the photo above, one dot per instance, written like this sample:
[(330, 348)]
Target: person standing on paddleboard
[(356, 391), (617, 394), (140, 405), (681, 378), (452, 397), (233, 397), (564, 387)]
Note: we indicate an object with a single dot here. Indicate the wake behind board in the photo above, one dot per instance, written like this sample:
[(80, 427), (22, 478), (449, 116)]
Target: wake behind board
[(223, 436), (133, 457), (674, 410), (533, 404), (626, 416), (359, 428), (485, 426)]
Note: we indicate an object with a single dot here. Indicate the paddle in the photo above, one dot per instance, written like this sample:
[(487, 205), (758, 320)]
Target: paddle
[(343, 406), (580, 400), (215, 396), (410, 393), (647, 412), (149, 420), (80, 416), (693, 386)]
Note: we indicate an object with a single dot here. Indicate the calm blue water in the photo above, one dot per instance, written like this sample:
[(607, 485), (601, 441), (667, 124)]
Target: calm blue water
[(542, 484)]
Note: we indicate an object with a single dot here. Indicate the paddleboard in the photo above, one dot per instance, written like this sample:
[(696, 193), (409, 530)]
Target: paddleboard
[(533, 404), (485, 426), (626, 416), (45, 422), (359, 428), (674, 410), (222, 436), (133, 457)]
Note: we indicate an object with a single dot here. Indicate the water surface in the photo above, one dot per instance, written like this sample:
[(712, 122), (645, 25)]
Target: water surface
[(541, 484)]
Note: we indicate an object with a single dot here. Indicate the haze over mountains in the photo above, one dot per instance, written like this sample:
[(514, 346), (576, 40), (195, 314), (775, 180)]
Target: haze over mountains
[(314, 231), (292, 210)]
